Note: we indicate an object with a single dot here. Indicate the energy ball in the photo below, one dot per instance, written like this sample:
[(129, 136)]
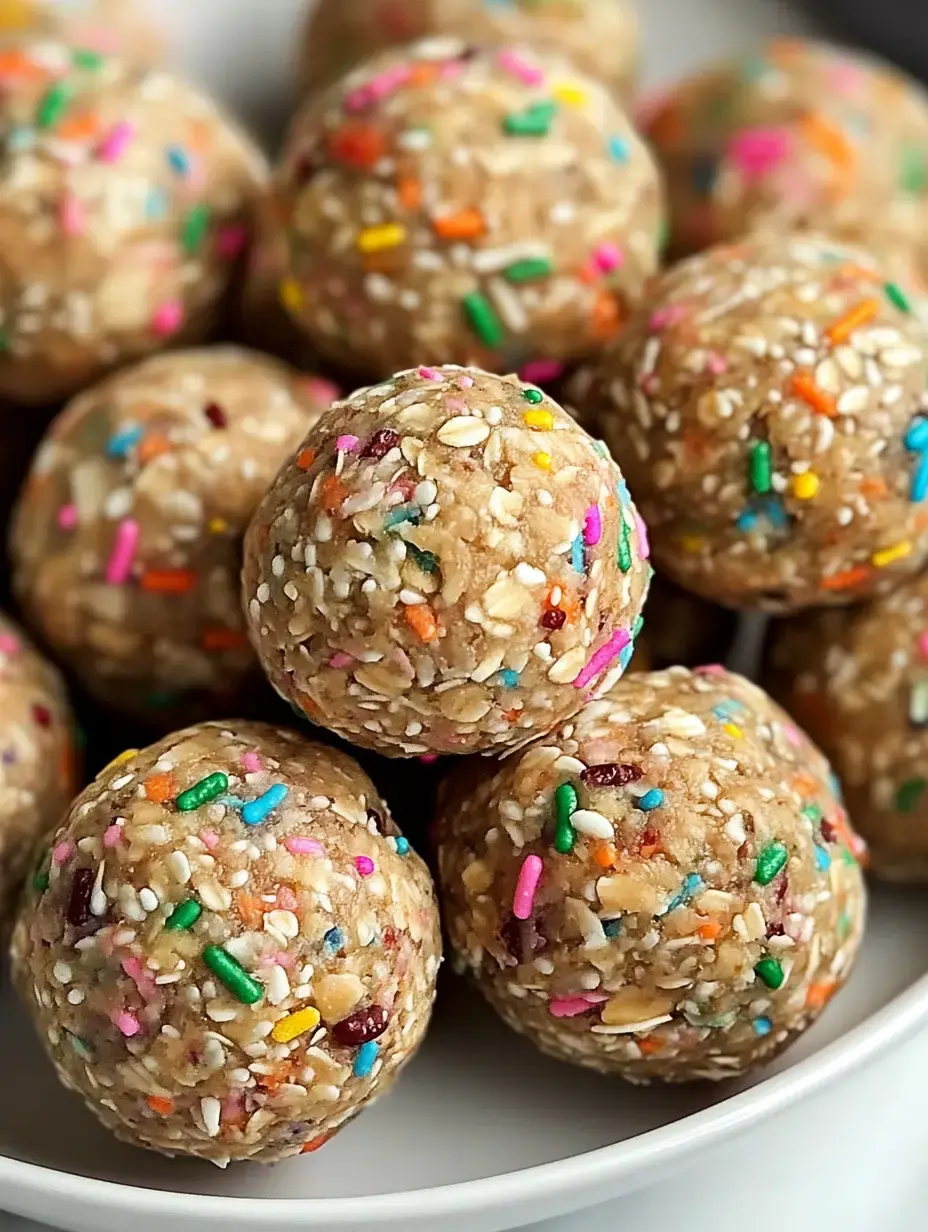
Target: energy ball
[(765, 404), (103, 26), (681, 630), (37, 760), (599, 36), (236, 949), (798, 136), (127, 538), (450, 205), (858, 679), (449, 564), (128, 200), (664, 888)]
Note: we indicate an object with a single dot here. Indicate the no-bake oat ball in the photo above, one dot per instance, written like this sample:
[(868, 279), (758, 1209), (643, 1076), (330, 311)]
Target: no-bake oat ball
[(666, 887), (234, 950), (127, 199), (798, 135), (37, 762), (858, 680), (106, 27), (448, 564), (599, 36), (765, 404), (446, 204), (127, 537)]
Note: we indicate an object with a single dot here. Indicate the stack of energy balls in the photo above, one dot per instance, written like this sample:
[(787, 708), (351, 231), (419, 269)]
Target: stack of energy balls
[(227, 945)]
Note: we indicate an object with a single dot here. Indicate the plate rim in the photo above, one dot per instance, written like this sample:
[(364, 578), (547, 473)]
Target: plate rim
[(591, 1171)]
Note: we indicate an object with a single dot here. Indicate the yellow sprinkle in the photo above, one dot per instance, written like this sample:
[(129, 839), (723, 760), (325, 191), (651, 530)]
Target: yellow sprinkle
[(295, 1024), (218, 526), (291, 295), (543, 420), (125, 755), (734, 731), (805, 486), (570, 94), (542, 461), (378, 239), (692, 543), (897, 552)]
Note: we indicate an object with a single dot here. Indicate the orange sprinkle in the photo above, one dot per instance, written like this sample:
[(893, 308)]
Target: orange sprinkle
[(16, 64), (606, 315), (333, 493), (83, 127), (710, 930), (161, 1104), (422, 75), (820, 993), (160, 787), (409, 192), (605, 854), (152, 447), (648, 850), (847, 579), (358, 145), (805, 388), (421, 619), (315, 1143), (828, 138), (650, 1044), (250, 909), (305, 458), (874, 487), (805, 784), (198, 134), (279, 1074), (859, 315), (224, 639), (466, 225), (168, 581)]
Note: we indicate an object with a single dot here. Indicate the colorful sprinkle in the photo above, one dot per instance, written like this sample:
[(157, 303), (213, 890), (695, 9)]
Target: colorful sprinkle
[(599, 661), (761, 471), (257, 810), (483, 319), (295, 1025), (524, 898), (119, 565), (194, 229), (364, 1061), (232, 974), (381, 239), (535, 121), (652, 799), (528, 270), (770, 971), (565, 804), (770, 862), (297, 845), (116, 142), (184, 916), (592, 526), (168, 318), (364, 865), (897, 297), (534, 396), (762, 1026), (909, 794), (203, 792)]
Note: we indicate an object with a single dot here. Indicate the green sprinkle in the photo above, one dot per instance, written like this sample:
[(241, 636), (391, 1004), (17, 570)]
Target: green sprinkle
[(528, 270), (194, 229), (83, 57), (184, 915), (812, 813), (770, 970), (535, 121), (54, 104), (909, 793), (427, 561), (771, 861), (914, 172), (240, 984), (760, 468), (565, 805), (896, 295), (40, 880), (625, 547), (483, 319), (637, 627), (201, 793), (533, 395)]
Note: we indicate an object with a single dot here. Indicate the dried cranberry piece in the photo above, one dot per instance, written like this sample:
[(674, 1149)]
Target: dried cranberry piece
[(78, 909), (215, 414), (42, 715), (380, 444), (553, 618), (610, 774), (829, 833), (361, 1026)]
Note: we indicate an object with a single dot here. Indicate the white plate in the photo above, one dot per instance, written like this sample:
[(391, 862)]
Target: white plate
[(481, 1132)]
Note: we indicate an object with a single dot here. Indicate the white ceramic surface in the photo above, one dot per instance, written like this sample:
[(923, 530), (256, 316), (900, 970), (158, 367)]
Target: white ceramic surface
[(481, 1132)]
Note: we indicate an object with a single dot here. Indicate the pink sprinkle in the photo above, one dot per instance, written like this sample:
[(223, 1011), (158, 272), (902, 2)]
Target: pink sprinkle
[(431, 374), (127, 1023), (667, 317), (71, 215), (346, 443), (644, 547), (710, 669), (210, 839), (142, 979), (299, 846), (539, 371), (568, 1007), (608, 257), (599, 661), (923, 644), (716, 364), (364, 865), (280, 958), (233, 1105), (428, 759), (465, 382), (758, 150), (252, 762), (116, 142), (527, 73), (9, 644), (119, 565), (168, 317), (341, 659), (524, 898), (324, 391), (377, 88), (845, 78), (793, 735), (456, 404), (286, 899), (592, 526), (111, 835), (231, 240), (67, 517), (63, 852)]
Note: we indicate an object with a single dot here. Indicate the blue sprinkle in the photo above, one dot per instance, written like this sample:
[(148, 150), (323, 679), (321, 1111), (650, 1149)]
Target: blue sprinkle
[(20, 138), (232, 802), (727, 709), (576, 554), (601, 449), (333, 940), (402, 513), (835, 784), (762, 1026), (618, 149), (119, 445), (508, 678), (255, 811), (916, 437), (691, 884), (822, 859), (612, 928), (178, 159), (919, 489), (624, 495), (776, 514), (747, 520), (626, 656), (402, 846), (364, 1061), (156, 204), (651, 799)]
